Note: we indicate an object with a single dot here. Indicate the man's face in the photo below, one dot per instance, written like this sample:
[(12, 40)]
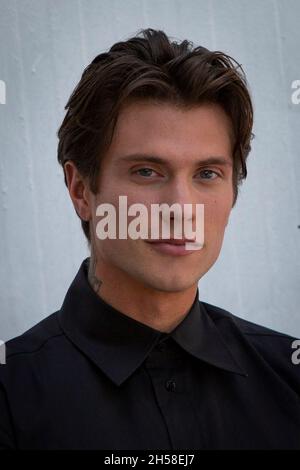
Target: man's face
[(183, 139)]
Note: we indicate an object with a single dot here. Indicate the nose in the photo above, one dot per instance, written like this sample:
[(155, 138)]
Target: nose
[(184, 214), (180, 192)]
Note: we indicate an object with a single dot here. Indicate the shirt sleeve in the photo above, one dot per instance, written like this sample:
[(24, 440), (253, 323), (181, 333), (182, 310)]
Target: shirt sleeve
[(7, 440)]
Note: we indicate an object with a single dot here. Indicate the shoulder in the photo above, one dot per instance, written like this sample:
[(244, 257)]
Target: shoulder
[(24, 349), (279, 350), (26, 358), (247, 327)]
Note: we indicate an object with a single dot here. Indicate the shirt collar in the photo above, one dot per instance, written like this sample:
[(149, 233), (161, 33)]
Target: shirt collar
[(119, 344)]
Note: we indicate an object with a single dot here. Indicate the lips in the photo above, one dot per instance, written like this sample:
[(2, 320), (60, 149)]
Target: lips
[(172, 241), (171, 247)]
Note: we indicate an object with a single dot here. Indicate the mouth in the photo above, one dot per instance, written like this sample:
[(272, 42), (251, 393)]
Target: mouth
[(171, 246), (173, 241)]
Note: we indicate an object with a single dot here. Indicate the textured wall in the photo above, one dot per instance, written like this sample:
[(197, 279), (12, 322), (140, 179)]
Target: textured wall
[(44, 46)]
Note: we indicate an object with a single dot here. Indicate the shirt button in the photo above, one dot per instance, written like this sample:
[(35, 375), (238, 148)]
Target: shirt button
[(161, 347), (170, 385)]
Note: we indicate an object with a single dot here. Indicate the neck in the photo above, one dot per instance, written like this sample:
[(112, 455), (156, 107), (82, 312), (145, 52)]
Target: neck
[(160, 310)]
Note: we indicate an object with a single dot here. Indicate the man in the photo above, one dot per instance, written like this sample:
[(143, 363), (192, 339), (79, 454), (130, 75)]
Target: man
[(133, 359)]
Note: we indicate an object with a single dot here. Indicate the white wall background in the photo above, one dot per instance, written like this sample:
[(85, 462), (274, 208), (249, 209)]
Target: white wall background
[(44, 46)]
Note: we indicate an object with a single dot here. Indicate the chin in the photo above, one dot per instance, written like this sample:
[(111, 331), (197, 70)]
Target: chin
[(165, 284)]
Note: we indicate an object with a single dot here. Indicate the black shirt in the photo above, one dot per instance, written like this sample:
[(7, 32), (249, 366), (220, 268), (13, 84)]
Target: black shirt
[(91, 377)]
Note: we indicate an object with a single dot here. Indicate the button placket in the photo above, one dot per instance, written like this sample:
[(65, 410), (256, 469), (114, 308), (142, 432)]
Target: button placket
[(161, 347), (170, 385)]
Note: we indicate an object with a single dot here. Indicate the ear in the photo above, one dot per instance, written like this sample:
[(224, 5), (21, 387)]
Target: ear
[(78, 190)]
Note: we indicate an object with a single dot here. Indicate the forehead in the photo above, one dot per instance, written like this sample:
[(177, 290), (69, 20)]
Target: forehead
[(172, 131)]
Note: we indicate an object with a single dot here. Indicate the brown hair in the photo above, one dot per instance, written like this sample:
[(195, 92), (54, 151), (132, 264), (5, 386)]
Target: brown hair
[(150, 66)]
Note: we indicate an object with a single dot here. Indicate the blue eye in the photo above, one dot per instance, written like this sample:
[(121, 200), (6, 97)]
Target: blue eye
[(207, 172), (145, 170)]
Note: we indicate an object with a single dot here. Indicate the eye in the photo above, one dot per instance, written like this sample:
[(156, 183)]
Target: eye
[(207, 173), (145, 172)]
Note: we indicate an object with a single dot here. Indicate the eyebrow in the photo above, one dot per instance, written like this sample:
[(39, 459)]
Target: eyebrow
[(210, 160)]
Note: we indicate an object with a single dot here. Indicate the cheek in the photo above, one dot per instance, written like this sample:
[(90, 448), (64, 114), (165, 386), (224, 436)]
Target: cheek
[(216, 214), (114, 251)]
